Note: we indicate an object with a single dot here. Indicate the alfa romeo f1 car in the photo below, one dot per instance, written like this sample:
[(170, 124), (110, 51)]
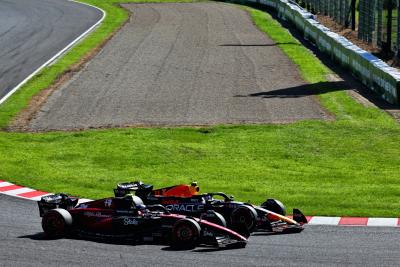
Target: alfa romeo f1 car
[(218, 208), (127, 218)]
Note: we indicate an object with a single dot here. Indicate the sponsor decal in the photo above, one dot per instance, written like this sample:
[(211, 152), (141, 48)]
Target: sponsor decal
[(82, 206), (341, 56), (384, 84), (108, 202), (130, 221), (185, 207), (169, 201), (325, 44), (96, 214), (308, 32), (160, 191), (208, 233), (361, 69), (125, 211), (299, 22), (233, 205)]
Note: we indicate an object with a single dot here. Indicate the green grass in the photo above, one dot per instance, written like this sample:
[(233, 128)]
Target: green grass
[(345, 167)]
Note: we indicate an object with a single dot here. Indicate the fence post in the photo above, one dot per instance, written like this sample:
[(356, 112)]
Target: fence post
[(361, 24), (398, 30), (388, 47), (353, 15), (379, 32), (371, 20)]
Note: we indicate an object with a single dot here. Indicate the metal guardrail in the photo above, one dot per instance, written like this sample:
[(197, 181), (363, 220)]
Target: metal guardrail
[(370, 70)]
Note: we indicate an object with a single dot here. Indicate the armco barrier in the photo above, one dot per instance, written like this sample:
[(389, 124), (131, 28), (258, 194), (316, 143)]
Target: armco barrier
[(370, 70)]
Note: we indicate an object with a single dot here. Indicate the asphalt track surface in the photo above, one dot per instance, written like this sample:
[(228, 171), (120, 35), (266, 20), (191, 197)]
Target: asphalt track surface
[(22, 244), (183, 64), (33, 31)]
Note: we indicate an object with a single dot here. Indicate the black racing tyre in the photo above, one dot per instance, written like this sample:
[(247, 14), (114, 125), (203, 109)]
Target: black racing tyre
[(185, 234), (244, 218), (241, 229), (214, 217), (274, 205), (56, 223)]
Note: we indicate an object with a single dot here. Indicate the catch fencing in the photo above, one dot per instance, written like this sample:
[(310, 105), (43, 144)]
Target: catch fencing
[(370, 70), (376, 21)]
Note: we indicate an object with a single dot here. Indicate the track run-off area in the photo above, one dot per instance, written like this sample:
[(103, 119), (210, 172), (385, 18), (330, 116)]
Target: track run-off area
[(182, 64)]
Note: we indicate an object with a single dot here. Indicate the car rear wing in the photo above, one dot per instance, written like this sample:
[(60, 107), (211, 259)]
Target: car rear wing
[(131, 187), (56, 201)]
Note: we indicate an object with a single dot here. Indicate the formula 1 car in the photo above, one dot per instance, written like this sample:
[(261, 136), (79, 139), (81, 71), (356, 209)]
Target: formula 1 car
[(127, 218), (241, 217)]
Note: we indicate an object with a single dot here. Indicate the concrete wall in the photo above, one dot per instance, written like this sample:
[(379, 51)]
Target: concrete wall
[(370, 70)]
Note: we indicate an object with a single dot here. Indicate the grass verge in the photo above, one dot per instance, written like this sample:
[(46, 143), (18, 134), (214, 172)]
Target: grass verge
[(345, 167)]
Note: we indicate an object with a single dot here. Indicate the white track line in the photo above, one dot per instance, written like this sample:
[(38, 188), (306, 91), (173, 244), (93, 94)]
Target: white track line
[(59, 54)]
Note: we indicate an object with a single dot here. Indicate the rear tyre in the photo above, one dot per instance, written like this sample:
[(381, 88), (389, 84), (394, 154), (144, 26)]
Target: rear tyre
[(244, 220), (185, 234), (274, 205), (56, 223)]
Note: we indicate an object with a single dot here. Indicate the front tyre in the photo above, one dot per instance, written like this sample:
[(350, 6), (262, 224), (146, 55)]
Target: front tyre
[(274, 205), (244, 220), (185, 234), (56, 223)]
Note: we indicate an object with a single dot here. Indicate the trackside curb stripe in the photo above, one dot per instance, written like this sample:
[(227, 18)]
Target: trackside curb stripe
[(35, 195), (32, 194), (18, 191), (353, 221), (2, 184), (9, 188), (318, 220)]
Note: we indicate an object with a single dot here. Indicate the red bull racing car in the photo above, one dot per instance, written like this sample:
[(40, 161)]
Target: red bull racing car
[(218, 208), (127, 218)]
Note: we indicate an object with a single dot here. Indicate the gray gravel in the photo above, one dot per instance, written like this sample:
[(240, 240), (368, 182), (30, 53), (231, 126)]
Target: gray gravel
[(182, 64), (33, 31), (22, 244)]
